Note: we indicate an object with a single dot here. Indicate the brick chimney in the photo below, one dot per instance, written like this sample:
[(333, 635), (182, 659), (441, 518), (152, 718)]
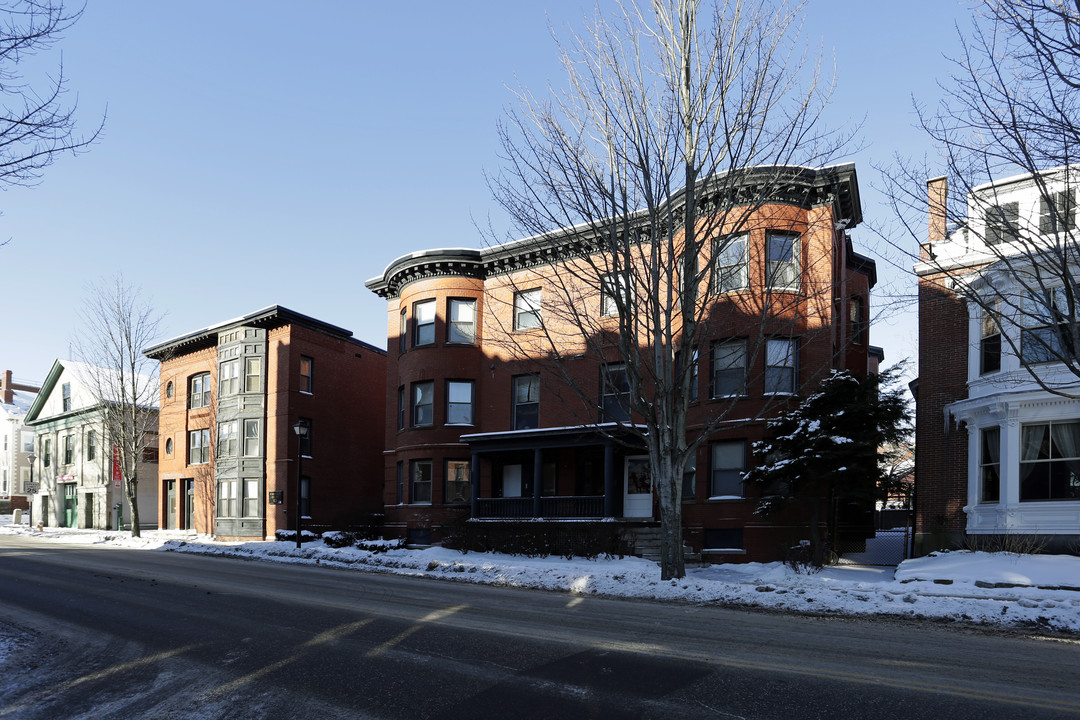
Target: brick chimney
[(937, 191), (9, 392)]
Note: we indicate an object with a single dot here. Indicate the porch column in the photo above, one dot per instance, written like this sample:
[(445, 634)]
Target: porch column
[(474, 483), (538, 480), (609, 479)]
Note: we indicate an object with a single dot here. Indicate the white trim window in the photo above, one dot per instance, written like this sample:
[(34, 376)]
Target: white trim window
[(782, 260), (728, 368), (614, 289), (424, 323), (1050, 461), (780, 356), (990, 465), (461, 324), (730, 271), (459, 402), (527, 309), (227, 439), (727, 463)]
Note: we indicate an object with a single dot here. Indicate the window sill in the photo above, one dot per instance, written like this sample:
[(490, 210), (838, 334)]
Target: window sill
[(459, 425), (733, 396), (726, 551), (307, 392), (725, 498)]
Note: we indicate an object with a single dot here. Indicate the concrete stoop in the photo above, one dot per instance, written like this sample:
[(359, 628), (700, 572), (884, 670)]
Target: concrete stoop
[(646, 540)]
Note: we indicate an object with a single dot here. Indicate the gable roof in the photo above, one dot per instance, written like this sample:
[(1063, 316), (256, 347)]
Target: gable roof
[(83, 373)]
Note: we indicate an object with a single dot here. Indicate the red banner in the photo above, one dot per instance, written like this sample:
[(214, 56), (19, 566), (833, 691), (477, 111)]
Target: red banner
[(116, 467)]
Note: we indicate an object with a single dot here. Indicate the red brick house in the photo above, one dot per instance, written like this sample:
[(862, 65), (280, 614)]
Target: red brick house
[(231, 396), (474, 431)]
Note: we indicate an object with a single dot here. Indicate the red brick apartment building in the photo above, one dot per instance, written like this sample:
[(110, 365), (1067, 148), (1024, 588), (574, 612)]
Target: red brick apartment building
[(475, 431), (231, 395)]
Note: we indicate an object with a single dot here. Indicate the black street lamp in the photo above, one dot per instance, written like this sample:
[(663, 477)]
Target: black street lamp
[(31, 457), (301, 430)]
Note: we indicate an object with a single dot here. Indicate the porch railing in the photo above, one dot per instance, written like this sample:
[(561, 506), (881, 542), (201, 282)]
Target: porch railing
[(574, 506)]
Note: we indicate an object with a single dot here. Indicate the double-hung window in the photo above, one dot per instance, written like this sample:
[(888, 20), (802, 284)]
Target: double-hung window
[(199, 391), (526, 402), (227, 439), (990, 339), (615, 399), (91, 445), (252, 444), (198, 447), (614, 292), (252, 498), (1050, 461), (459, 402), (403, 330), (780, 355), (990, 465), (46, 453), (69, 449), (1047, 335), (307, 374), (401, 407), (1057, 213), (730, 262), (424, 322), (727, 464), (461, 324), (227, 498), (423, 403), (458, 489), (229, 377), (1002, 223), (782, 260), (66, 391), (527, 309), (728, 368), (253, 374), (420, 481)]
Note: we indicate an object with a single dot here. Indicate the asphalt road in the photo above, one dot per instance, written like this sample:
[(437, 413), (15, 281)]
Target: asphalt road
[(112, 633)]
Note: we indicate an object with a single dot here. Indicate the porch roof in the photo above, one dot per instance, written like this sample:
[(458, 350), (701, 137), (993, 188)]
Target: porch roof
[(566, 436)]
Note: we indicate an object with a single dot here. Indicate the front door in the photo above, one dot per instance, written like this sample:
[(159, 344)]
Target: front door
[(71, 501), (189, 504), (637, 488), (170, 505)]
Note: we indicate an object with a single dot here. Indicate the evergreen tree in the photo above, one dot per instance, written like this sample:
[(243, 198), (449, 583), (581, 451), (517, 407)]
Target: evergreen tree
[(832, 449)]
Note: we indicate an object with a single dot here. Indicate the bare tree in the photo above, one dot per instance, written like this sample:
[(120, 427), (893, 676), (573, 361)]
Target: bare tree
[(680, 120), (116, 323), (1009, 124), (36, 124)]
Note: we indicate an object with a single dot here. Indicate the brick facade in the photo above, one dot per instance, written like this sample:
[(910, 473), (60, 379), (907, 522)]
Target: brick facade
[(558, 463), (344, 408)]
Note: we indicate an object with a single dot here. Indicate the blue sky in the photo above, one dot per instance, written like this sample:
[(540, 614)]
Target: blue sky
[(260, 153)]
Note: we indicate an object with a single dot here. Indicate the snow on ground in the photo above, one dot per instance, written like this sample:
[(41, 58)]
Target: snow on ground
[(1039, 592)]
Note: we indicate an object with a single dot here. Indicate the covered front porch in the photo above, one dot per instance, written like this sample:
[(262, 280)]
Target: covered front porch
[(573, 473)]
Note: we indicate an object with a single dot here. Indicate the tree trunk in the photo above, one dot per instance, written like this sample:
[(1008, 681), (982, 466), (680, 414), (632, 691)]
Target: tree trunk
[(131, 485)]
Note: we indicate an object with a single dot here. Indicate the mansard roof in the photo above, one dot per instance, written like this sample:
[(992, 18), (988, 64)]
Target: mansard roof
[(792, 185)]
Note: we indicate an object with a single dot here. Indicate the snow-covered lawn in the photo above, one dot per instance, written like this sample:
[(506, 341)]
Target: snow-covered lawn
[(999, 589)]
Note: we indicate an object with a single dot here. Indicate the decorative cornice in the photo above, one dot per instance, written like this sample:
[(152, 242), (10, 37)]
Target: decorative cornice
[(797, 186)]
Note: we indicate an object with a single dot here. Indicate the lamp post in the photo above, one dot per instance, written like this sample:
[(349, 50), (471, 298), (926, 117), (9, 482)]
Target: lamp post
[(301, 430), (32, 457)]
